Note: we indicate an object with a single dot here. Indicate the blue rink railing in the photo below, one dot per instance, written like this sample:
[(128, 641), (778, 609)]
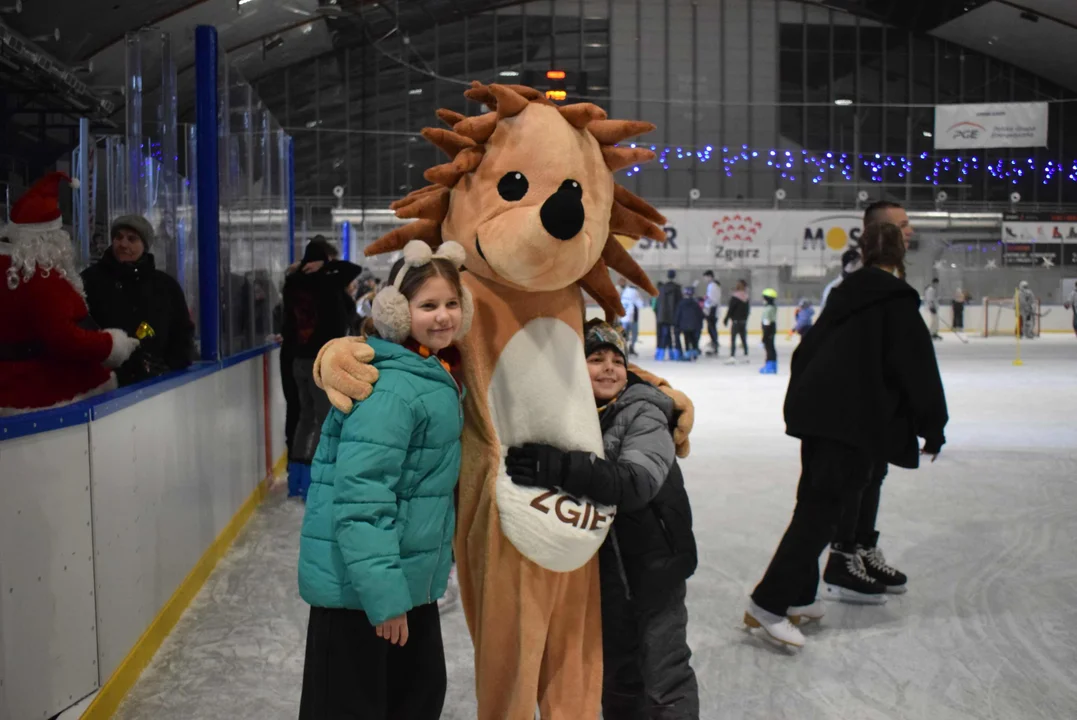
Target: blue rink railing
[(108, 504)]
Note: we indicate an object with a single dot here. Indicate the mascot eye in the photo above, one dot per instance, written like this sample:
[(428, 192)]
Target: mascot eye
[(572, 187), (513, 186)]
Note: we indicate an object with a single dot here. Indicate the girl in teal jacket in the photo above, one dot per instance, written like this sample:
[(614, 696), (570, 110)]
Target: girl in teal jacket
[(376, 545)]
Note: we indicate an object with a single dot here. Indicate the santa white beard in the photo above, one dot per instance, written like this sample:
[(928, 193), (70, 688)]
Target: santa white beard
[(45, 251)]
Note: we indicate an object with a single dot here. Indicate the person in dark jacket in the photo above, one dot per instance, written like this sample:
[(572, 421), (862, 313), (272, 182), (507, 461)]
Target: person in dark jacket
[(689, 322), (315, 312), (864, 385), (289, 386), (669, 296), (124, 289), (737, 313), (650, 551)]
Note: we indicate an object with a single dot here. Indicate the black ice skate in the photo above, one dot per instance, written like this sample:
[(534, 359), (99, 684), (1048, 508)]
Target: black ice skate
[(847, 580), (876, 566)]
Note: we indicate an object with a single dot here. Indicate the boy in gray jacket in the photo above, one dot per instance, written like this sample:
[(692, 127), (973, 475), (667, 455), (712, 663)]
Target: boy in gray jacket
[(650, 550)]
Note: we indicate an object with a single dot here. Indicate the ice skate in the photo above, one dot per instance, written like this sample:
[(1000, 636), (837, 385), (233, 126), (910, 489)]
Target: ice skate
[(847, 580), (777, 629), (731, 361), (803, 614), (876, 566)]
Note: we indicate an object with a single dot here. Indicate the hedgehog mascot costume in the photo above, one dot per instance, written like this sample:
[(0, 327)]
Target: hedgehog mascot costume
[(529, 193)]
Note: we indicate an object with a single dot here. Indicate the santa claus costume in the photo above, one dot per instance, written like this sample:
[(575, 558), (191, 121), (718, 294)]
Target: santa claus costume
[(51, 353)]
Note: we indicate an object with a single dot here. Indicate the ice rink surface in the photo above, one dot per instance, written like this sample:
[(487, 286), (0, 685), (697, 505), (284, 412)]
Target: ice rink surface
[(987, 535)]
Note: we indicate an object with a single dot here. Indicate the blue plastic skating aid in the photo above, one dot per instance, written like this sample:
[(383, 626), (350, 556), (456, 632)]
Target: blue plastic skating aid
[(659, 354), (295, 475), (304, 483), (675, 354)]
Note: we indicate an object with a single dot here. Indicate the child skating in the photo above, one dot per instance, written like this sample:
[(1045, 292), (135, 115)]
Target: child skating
[(650, 550), (770, 330), (690, 324), (376, 544)]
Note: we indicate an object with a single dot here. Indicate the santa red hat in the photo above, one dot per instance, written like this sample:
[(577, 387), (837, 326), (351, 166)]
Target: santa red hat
[(39, 209)]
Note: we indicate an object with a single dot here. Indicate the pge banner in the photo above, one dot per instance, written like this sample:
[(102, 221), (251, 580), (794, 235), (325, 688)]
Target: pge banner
[(958, 127), (1039, 239), (811, 242)]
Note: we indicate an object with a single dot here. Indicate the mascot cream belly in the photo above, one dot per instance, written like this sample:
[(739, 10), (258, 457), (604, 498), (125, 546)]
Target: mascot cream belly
[(541, 392), (529, 193)]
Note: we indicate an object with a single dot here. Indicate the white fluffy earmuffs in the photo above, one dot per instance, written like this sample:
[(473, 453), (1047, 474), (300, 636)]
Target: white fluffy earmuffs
[(390, 311)]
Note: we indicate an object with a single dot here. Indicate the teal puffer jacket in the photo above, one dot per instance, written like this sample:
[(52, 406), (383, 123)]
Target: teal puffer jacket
[(377, 535)]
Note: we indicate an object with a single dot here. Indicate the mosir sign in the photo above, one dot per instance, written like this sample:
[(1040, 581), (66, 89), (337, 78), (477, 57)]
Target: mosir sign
[(958, 127)]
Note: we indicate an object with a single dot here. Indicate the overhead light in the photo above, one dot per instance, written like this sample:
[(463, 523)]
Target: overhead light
[(308, 28), (928, 133), (555, 74), (415, 91), (556, 95), (509, 73), (843, 102), (244, 2), (313, 123)]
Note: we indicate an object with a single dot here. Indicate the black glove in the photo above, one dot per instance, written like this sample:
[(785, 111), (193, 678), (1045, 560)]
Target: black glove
[(536, 465)]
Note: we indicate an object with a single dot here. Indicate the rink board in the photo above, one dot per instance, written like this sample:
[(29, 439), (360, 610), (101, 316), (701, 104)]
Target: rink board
[(113, 512), (48, 642)]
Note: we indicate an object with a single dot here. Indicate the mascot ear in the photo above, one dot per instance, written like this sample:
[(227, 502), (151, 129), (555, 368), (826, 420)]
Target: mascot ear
[(391, 315)]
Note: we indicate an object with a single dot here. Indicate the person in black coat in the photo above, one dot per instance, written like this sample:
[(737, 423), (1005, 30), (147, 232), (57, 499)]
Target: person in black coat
[(737, 314), (316, 310), (669, 296), (689, 323), (124, 289), (864, 386)]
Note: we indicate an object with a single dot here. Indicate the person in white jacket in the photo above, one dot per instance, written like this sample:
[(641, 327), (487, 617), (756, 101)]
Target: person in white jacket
[(632, 301), (1071, 304), (711, 302)]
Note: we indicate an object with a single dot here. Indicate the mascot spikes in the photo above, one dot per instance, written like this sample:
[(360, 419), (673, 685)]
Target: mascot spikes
[(528, 191)]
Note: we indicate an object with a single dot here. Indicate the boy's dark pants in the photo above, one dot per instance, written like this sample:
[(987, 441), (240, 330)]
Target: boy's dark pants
[(352, 674), (712, 326), (832, 479), (647, 675), (769, 331), (691, 340)]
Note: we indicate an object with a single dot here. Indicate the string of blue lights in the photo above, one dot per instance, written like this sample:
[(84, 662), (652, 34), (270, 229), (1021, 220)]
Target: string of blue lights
[(820, 166)]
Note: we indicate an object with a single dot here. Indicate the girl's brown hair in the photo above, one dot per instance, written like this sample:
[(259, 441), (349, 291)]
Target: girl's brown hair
[(883, 245), (415, 278)]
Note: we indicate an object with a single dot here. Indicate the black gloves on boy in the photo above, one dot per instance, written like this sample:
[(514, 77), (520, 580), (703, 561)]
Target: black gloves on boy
[(578, 473)]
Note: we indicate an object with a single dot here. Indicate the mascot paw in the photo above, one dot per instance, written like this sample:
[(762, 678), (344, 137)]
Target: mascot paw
[(343, 370), (686, 418)]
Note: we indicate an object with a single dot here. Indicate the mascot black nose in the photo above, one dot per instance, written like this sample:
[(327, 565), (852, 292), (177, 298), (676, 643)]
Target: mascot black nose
[(562, 213)]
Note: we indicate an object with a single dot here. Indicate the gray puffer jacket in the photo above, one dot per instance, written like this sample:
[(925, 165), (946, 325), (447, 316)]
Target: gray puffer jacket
[(652, 536)]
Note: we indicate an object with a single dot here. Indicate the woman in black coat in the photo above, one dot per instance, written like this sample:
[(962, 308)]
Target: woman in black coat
[(864, 386)]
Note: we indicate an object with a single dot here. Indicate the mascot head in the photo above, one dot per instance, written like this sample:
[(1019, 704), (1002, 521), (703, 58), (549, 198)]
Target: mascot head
[(529, 193)]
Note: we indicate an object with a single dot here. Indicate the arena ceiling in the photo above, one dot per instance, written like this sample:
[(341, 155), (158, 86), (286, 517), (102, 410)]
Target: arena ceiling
[(262, 36)]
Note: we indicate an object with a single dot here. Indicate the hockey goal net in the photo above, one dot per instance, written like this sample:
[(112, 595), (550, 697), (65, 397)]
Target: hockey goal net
[(1001, 318)]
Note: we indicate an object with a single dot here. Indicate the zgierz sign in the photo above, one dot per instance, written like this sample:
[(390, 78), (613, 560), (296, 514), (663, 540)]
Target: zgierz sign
[(958, 127)]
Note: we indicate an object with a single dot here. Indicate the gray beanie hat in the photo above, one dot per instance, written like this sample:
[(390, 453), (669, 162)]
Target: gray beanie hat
[(137, 223)]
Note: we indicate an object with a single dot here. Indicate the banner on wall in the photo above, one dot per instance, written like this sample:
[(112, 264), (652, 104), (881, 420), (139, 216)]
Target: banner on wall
[(1039, 239), (994, 125), (811, 242)]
